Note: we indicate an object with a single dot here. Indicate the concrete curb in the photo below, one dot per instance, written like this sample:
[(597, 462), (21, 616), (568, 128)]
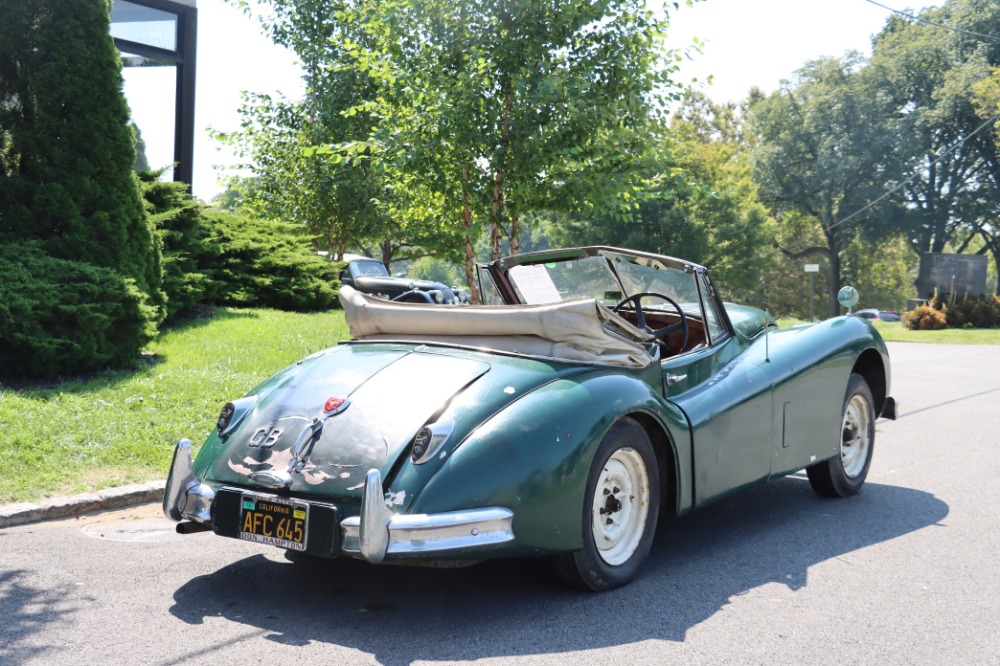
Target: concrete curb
[(77, 505)]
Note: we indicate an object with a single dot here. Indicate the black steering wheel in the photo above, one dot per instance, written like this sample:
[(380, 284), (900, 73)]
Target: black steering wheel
[(659, 334)]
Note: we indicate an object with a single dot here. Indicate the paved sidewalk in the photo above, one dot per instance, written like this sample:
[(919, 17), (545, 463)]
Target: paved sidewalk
[(77, 505)]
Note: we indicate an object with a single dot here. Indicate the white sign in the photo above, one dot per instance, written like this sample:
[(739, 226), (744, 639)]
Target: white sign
[(812, 268), (535, 284)]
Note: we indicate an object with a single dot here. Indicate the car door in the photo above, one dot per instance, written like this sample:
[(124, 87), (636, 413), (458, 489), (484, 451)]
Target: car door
[(725, 390)]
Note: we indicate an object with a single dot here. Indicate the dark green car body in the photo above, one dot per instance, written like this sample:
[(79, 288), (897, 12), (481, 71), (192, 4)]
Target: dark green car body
[(746, 404)]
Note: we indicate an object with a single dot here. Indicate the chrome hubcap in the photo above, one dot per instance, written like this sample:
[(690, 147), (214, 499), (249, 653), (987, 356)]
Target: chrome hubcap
[(620, 506), (856, 436)]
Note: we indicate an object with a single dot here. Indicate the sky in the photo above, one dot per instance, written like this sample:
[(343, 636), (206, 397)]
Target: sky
[(747, 43)]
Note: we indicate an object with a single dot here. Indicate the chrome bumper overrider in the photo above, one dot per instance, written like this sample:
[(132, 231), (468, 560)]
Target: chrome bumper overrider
[(184, 496), (375, 534), (378, 532), (890, 410)]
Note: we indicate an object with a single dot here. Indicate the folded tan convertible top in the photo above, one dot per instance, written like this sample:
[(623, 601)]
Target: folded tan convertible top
[(574, 331)]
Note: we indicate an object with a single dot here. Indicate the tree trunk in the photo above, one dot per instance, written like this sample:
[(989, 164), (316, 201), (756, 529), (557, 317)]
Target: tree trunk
[(385, 247), (470, 242), (834, 273), (496, 231), (496, 228), (496, 241)]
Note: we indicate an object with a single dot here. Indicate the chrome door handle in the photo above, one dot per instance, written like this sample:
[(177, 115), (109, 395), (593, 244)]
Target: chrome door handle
[(673, 379)]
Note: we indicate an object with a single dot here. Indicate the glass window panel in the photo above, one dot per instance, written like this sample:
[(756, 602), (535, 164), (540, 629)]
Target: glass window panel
[(151, 92), (144, 25), (716, 329)]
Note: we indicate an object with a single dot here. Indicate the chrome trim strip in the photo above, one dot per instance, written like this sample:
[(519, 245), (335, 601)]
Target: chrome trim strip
[(377, 533)]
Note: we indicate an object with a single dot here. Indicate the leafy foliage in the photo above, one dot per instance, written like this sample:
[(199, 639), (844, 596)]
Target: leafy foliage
[(295, 175), (67, 156), (701, 204), (464, 116), (60, 317), (881, 273), (924, 318), (436, 270), (188, 253), (949, 192), (969, 310), (822, 153), (263, 263)]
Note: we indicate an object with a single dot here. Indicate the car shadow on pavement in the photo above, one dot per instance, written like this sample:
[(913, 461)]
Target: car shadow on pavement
[(770, 534)]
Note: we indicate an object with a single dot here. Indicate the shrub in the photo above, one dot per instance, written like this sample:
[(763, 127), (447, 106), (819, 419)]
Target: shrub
[(217, 257), (67, 154), (188, 252), (64, 317), (972, 311), (925, 318), (263, 263)]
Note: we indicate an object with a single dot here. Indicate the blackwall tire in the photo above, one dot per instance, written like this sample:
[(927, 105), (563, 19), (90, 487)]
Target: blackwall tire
[(845, 474), (621, 507)]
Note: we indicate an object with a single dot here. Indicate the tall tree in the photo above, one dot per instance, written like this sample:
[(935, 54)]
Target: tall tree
[(986, 97), (950, 187), (701, 202), (824, 153), (294, 175), (67, 153), (494, 109)]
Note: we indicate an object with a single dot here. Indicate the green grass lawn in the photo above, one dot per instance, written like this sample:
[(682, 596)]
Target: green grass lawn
[(113, 428), (894, 331), (120, 427)]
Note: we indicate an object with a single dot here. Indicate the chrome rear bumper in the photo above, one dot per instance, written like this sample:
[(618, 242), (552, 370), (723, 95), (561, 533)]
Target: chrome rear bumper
[(375, 534), (378, 533)]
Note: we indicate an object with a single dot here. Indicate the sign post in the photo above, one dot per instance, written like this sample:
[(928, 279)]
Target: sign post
[(812, 269)]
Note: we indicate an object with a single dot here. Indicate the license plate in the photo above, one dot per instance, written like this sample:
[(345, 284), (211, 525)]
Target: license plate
[(274, 520)]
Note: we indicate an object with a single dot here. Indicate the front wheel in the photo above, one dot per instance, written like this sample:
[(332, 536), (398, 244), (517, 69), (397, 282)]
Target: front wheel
[(843, 475), (621, 506)]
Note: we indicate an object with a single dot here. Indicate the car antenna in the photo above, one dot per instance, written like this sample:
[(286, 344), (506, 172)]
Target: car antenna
[(767, 336)]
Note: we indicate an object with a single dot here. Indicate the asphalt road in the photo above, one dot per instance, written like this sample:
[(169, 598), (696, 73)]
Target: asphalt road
[(905, 573)]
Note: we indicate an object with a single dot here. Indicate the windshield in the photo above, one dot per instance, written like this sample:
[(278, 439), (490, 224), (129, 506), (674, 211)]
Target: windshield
[(607, 277), (368, 268)]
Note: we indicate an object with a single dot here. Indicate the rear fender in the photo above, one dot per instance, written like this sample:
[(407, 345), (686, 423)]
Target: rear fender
[(534, 457)]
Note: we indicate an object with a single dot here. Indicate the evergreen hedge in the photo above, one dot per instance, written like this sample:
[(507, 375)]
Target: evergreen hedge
[(221, 258), (188, 252), (60, 317), (90, 273), (69, 177), (269, 264)]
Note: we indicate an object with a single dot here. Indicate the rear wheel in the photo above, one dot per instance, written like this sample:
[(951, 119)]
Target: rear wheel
[(621, 506), (843, 475)]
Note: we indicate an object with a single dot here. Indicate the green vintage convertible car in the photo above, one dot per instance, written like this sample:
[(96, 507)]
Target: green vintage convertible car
[(596, 388)]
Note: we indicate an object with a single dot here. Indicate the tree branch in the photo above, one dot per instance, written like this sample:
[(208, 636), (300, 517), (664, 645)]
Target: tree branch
[(818, 249)]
